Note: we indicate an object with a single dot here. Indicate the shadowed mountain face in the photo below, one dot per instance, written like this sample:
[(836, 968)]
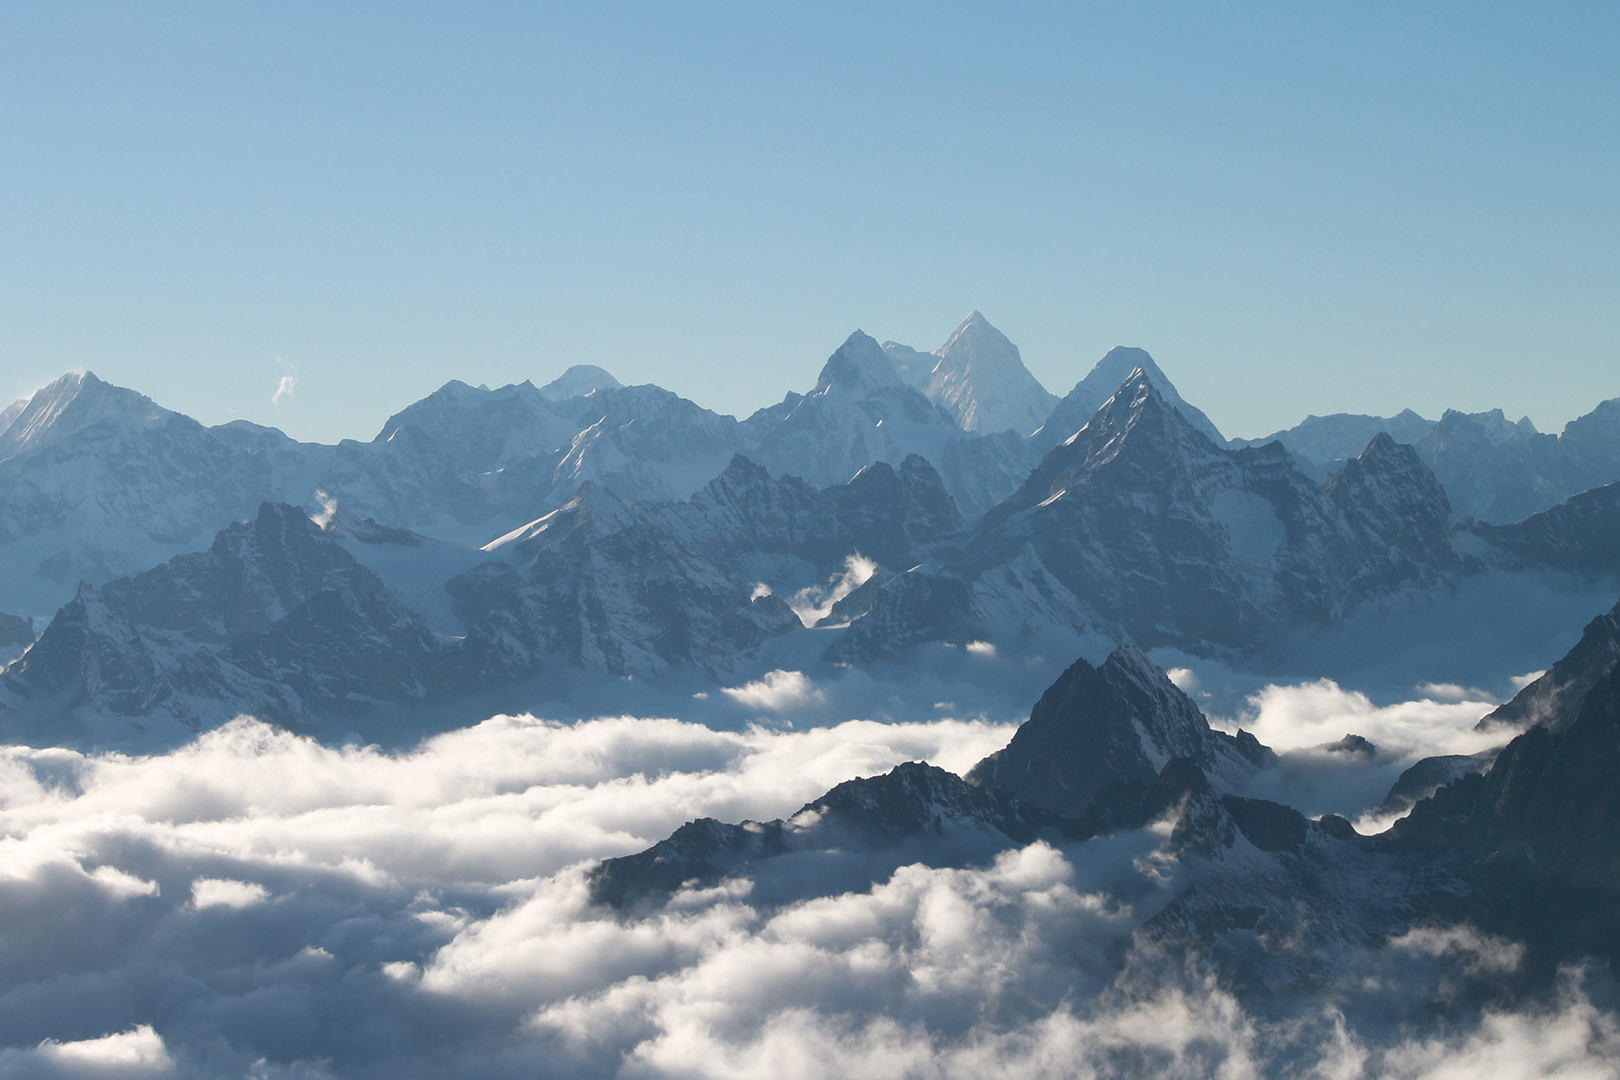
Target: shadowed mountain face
[(1140, 527), (1493, 469), (1091, 393), (1530, 848), (1121, 722), (274, 617), (1555, 699)]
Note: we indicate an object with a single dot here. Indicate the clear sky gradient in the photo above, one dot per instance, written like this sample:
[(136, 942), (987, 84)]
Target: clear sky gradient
[(1295, 207)]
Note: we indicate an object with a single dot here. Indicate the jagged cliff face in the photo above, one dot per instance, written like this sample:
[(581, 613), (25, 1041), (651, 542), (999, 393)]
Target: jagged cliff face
[(1527, 847), (1077, 407), (1137, 528), (1121, 722), (1155, 526), (594, 584), (275, 617), (1142, 526), (1555, 699)]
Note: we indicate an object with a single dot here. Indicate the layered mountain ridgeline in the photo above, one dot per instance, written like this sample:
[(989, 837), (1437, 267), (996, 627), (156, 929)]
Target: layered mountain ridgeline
[(279, 617), (274, 618), (1138, 528), (1493, 469), (98, 482), (1527, 848), (1141, 528)]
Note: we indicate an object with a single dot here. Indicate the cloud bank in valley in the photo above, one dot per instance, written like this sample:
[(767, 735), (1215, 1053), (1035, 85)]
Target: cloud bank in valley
[(255, 904)]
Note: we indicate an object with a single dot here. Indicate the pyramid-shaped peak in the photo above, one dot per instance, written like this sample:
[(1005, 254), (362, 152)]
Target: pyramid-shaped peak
[(976, 333), (859, 367), (1136, 395), (981, 380), (1093, 726), (1104, 381)]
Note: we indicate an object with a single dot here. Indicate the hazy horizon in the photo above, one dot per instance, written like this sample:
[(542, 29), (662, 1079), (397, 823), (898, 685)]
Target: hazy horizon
[(1358, 211)]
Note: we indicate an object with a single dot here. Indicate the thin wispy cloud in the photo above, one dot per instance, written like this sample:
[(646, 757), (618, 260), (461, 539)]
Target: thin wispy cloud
[(285, 385)]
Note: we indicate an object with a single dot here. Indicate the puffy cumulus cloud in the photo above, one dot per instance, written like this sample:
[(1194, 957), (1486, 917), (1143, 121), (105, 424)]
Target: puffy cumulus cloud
[(256, 905), (223, 892), (137, 1053), (1303, 720), (776, 692), (1311, 713)]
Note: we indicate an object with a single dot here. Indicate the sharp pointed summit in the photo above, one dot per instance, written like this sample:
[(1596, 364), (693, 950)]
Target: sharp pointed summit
[(978, 377), (858, 367), (1089, 394)]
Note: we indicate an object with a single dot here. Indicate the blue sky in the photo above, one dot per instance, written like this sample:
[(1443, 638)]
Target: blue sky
[(1295, 208)]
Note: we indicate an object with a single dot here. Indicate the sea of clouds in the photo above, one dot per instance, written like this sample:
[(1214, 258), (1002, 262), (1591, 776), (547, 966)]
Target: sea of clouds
[(256, 904)]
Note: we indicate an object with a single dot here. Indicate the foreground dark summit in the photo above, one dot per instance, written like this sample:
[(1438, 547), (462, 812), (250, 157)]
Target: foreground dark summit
[(1527, 847)]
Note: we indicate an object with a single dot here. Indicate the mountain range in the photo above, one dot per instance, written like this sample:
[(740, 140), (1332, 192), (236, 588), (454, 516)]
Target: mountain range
[(485, 538), (1523, 845)]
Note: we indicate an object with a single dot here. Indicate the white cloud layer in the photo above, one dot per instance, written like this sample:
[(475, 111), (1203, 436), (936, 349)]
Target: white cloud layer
[(256, 905), (1441, 721), (776, 692)]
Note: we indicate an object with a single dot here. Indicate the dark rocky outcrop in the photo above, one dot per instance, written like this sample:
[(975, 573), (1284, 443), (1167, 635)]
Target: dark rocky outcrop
[(1556, 698), (1119, 722)]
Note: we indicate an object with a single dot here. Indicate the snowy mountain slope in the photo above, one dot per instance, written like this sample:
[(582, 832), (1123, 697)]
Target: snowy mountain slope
[(109, 485), (1076, 408), (1492, 469), (886, 514), (914, 367), (646, 443), (578, 381), (68, 406), (1163, 537), (481, 429), (859, 412), (1160, 529), (638, 589), (275, 618), (981, 381), (595, 585), (1495, 470), (11, 412)]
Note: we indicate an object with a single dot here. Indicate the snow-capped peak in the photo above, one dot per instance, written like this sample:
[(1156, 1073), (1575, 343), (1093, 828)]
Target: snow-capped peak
[(981, 380), (1088, 395), (859, 367), (578, 381), (68, 405)]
